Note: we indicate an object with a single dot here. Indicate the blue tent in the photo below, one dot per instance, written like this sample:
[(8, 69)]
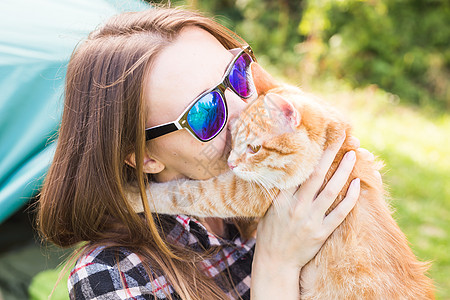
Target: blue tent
[(36, 41)]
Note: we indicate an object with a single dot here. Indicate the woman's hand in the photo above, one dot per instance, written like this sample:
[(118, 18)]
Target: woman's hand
[(292, 232)]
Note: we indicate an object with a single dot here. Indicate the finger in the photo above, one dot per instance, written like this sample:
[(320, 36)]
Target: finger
[(353, 142), (340, 212), (310, 187), (282, 203), (365, 154), (336, 183), (293, 189), (378, 176)]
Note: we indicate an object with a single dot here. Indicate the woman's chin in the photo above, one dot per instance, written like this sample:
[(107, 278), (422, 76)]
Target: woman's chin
[(210, 170)]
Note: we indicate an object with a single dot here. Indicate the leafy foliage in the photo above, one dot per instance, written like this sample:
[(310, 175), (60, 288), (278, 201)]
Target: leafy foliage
[(401, 46)]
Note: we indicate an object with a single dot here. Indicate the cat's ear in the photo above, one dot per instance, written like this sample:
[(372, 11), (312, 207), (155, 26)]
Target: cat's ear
[(263, 81), (282, 112)]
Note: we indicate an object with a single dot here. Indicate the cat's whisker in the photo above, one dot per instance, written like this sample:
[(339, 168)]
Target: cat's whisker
[(264, 183), (287, 199)]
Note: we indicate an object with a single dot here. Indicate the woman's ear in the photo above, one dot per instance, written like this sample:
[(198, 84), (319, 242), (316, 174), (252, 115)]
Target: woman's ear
[(151, 165)]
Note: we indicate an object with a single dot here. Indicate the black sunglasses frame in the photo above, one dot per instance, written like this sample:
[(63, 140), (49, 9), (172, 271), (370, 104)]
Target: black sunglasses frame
[(182, 123)]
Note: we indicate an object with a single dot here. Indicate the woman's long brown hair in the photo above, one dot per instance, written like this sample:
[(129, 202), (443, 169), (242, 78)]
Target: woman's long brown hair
[(83, 198)]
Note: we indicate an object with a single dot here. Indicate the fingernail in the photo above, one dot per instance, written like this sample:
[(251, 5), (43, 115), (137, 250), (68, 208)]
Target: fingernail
[(356, 182), (350, 155)]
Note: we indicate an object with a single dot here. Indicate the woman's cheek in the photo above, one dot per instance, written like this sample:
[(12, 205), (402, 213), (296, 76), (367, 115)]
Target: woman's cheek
[(211, 159)]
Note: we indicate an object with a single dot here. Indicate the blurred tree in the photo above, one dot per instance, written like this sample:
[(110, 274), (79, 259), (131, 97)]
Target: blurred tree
[(400, 45), (270, 26)]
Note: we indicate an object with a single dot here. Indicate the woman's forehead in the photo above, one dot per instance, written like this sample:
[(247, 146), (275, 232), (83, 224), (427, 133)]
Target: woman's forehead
[(193, 63)]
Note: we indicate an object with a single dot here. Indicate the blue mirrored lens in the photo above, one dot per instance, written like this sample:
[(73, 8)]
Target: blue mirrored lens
[(240, 76), (207, 116)]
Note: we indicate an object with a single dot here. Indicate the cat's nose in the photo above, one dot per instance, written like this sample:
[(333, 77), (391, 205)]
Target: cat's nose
[(231, 165)]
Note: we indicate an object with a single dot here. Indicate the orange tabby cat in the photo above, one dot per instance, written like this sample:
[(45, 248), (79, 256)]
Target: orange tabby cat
[(276, 144)]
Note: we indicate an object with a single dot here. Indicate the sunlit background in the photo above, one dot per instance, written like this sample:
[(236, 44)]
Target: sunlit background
[(386, 64)]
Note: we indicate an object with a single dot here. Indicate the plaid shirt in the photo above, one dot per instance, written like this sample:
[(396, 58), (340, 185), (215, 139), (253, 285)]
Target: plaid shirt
[(97, 274)]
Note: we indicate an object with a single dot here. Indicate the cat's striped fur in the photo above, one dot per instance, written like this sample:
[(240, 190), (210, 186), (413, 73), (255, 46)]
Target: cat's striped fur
[(216, 197), (366, 257)]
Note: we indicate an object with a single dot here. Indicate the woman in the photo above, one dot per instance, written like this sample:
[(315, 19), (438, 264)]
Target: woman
[(138, 71)]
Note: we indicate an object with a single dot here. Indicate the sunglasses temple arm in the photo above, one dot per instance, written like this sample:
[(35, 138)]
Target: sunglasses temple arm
[(151, 133)]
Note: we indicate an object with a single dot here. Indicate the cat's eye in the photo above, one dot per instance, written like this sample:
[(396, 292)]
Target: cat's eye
[(253, 149)]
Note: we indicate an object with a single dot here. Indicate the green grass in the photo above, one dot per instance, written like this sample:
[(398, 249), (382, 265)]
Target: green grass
[(44, 282), (415, 146)]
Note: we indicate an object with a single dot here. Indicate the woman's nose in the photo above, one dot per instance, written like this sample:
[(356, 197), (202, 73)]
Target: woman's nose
[(235, 104)]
